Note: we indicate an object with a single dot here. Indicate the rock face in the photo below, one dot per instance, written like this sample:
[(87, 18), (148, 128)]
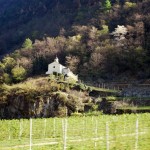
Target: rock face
[(42, 105), (20, 108)]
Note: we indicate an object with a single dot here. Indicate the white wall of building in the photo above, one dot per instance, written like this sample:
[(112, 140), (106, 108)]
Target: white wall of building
[(65, 71), (54, 67), (57, 67)]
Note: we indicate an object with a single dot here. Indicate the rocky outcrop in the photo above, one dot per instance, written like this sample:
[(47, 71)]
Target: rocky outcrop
[(43, 98), (40, 105)]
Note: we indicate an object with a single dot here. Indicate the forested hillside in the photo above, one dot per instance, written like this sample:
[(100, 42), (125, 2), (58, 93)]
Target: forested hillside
[(39, 18), (96, 39)]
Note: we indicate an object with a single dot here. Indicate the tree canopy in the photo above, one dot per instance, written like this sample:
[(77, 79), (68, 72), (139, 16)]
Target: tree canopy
[(27, 44)]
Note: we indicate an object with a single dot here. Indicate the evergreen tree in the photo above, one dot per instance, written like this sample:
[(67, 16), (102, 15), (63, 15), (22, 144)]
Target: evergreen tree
[(27, 44), (107, 5)]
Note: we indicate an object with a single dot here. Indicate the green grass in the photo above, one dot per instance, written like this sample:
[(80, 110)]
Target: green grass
[(82, 133), (103, 89), (136, 108), (93, 88), (114, 98), (30, 84)]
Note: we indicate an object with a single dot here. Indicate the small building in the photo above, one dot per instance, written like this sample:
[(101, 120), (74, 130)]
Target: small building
[(58, 68)]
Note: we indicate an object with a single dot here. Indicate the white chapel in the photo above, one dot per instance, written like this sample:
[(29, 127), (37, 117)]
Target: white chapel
[(57, 67)]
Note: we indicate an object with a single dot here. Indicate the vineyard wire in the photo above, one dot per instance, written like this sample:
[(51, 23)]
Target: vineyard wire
[(68, 127)]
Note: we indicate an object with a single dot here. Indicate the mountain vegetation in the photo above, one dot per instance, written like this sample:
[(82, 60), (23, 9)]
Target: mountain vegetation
[(106, 39)]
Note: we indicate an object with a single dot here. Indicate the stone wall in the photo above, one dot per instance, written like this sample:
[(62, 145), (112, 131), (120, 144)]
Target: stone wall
[(136, 92)]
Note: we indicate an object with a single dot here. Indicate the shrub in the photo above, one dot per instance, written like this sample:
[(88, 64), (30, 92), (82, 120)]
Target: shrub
[(71, 85), (8, 63), (61, 77), (62, 86), (51, 77), (54, 86), (95, 107), (89, 89), (67, 87), (75, 103), (129, 4), (18, 73), (105, 30), (82, 87), (71, 80), (62, 97), (6, 78), (62, 111)]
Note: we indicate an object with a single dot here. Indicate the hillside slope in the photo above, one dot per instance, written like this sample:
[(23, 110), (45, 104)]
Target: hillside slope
[(34, 19), (95, 39), (38, 18)]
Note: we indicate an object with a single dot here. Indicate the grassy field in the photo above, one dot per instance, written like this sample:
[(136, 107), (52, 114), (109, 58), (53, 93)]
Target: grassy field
[(120, 132)]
